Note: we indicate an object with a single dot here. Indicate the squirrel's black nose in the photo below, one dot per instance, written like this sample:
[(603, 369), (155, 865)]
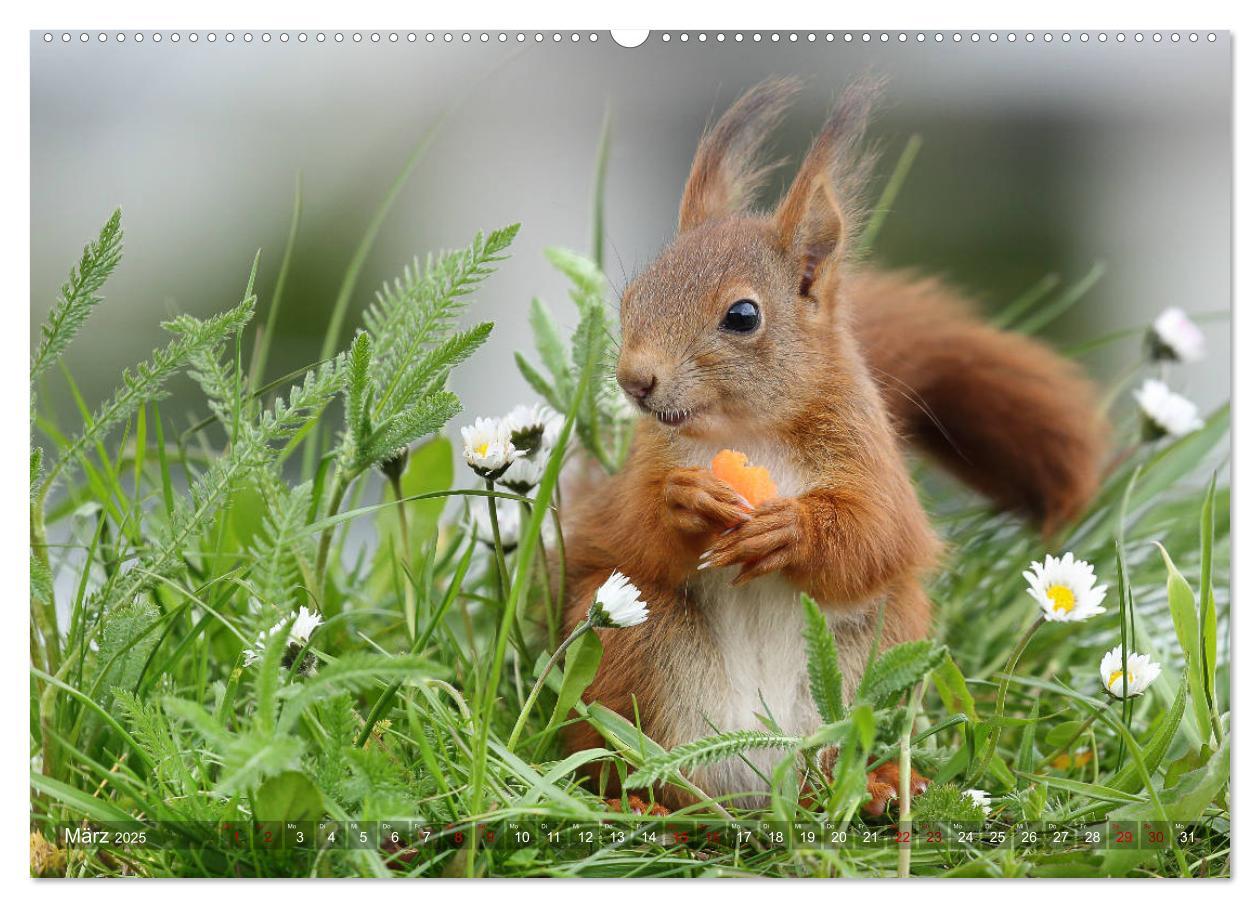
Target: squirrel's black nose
[(639, 386)]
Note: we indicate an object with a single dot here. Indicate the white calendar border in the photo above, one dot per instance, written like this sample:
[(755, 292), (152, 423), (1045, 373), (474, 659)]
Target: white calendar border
[(1080, 15)]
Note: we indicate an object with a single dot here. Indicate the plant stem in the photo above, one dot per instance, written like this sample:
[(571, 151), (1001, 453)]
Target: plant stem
[(500, 562), (44, 613), (542, 679), (991, 747), (528, 541), (325, 540), (500, 565), (409, 588), (904, 822), (549, 604)]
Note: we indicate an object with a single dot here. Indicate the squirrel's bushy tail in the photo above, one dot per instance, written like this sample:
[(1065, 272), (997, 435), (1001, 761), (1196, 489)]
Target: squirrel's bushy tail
[(1003, 412)]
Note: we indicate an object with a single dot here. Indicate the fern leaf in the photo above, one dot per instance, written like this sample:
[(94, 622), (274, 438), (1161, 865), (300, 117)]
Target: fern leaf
[(826, 685), (359, 387), (253, 450), (146, 382), (354, 673), (281, 547), (412, 314), (428, 371), (79, 295), (899, 668), (403, 428), (705, 752)]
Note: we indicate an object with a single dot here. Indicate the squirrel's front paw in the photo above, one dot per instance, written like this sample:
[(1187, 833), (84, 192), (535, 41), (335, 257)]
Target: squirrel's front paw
[(697, 502), (764, 543)]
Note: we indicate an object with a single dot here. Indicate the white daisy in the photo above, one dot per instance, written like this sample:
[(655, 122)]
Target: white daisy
[(533, 428), (980, 798), (1066, 589), (488, 447), (509, 515), (617, 603), (1142, 672), (1166, 412), (1174, 336), (523, 474), (304, 625)]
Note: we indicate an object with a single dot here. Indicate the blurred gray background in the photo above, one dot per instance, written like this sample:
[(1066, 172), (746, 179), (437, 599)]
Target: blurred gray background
[(1037, 158)]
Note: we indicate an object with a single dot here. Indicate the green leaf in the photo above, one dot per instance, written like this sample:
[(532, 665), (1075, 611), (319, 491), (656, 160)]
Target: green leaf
[(540, 385), (826, 685), (1085, 789), (80, 803), (1207, 598), (951, 686), (1128, 778), (899, 668), (550, 346), (588, 280), (430, 468), (628, 740), (1195, 790), (1063, 732), (1026, 754), (1186, 623), (581, 663), (288, 797)]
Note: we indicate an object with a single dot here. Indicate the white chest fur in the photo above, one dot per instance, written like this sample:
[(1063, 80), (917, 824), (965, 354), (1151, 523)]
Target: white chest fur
[(759, 665)]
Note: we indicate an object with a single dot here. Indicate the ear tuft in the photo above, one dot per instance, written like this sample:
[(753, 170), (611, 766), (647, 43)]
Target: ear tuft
[(820, 235), (727, 170), (821, 209)]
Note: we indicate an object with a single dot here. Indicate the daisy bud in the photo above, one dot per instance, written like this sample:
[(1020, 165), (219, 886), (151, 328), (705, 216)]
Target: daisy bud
[(523, 475), (488, 447), (394, 465), (1066, 589), (533, 429), (618, 603), (1173, 336), (1164, 412), (1142, 672)]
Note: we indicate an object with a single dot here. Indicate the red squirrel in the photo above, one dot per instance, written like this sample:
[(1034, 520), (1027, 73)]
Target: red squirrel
[(760, 331)]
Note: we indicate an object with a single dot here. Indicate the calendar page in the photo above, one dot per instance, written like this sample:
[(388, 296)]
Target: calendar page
[(780, 453)]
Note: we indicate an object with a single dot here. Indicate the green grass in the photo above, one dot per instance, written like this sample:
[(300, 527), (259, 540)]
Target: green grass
[(161, 549)]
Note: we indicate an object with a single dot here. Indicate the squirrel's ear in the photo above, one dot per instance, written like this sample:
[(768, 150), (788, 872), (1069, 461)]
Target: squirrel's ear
[(818, 214), (813, 230), (727, 170)]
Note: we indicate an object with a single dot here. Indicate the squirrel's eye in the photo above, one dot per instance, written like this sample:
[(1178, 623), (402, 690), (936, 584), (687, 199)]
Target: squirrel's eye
[(742, 317)]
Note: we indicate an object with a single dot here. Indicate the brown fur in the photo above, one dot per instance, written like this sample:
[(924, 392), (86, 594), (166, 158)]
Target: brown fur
[(844, 364)]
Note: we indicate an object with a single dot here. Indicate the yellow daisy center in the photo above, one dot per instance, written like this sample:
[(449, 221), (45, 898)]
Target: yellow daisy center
[(482, 448), (1115, 676), (1061, 597)]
